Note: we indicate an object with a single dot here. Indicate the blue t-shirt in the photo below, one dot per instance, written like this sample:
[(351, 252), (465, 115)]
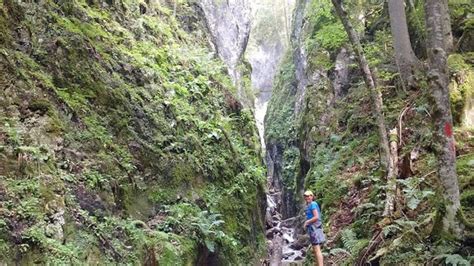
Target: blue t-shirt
[(309, 211)]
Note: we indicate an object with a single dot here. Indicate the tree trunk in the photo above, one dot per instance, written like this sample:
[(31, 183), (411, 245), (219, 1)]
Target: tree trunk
[(438, 78), (369, 81), (447, 32), (405, 57), (175, 5), (392, 175), (287, 24)]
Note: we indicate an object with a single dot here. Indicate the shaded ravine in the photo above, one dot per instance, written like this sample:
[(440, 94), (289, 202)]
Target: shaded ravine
[(232, 36), (287, 241), (264, 48), (265, 55)]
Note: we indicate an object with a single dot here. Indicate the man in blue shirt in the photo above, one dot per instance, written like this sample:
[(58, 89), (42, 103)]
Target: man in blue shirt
[(313, 225)]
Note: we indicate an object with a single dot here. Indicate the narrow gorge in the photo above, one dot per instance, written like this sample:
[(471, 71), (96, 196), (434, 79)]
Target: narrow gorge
[(184, 132)]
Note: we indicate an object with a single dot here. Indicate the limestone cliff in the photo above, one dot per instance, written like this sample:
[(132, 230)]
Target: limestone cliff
[(122, 138)]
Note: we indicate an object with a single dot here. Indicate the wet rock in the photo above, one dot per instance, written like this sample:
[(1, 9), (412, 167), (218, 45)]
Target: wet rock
[(288, 235), (143, 8), (269, 220), (89, 201), (290, 222), (288, 254), (276, 255), (272, 231), (55, 228), (301, 242), (276, 217), (341, 73)]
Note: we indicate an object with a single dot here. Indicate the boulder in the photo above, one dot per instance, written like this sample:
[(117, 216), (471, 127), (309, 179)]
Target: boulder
[(272, 231), (301, 242)]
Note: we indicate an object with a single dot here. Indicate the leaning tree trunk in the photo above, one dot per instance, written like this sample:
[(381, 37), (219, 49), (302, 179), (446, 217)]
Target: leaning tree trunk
[(386, 159), (405, 57), (369, 81), (392, 176), (435, 18)]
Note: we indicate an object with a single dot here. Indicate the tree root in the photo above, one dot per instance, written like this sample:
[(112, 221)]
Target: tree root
[(374, 243)]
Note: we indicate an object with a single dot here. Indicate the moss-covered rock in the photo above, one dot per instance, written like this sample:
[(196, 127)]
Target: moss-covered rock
[(462, 90), (115, 118)]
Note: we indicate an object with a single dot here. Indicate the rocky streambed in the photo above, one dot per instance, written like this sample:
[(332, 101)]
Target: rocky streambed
[(286, 244)]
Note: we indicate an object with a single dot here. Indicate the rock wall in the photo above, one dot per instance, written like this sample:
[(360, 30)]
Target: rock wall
[(284, 111), (229, 25), (269, 39), (121, 138)]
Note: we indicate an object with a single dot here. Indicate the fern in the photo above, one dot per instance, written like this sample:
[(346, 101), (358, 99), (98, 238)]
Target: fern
[(413, 193), (391, 229), (336, 251), (348, 239), (453, 259), (351, 243), (207, 225)]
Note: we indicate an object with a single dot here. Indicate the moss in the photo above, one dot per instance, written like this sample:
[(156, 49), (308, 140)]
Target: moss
[(41, 105), (461, 88), (139, 117), (185, 253), (281, 106), (5, 36), (464, 169), (467, 198), (91, 30)]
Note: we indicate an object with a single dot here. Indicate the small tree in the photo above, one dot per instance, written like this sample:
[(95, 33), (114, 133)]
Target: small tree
[(405, 57), (377, 102)]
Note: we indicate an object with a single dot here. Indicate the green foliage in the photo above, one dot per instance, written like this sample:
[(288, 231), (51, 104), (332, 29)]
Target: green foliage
[(281, 106), (413, 193), (13, 137), (208, 227), (95, 179), (332, 36), (416, 26), (326, 34), (59, 252), (467, 198), (136, 119), (336, 135), (353, 245), (461, 88), (380, 52), (453, 259)]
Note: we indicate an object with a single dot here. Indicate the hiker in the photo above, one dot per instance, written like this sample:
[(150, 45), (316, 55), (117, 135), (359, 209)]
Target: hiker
[(313, 225)]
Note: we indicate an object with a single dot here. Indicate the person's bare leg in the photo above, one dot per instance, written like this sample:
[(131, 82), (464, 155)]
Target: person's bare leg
[(318, 255)]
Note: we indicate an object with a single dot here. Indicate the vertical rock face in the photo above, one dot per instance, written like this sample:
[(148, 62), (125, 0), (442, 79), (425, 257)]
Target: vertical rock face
[(264, 61), (114, 121), (267, 45), (300, 107), (341, 73), (229, 26), (291, 91), (299, 55)]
